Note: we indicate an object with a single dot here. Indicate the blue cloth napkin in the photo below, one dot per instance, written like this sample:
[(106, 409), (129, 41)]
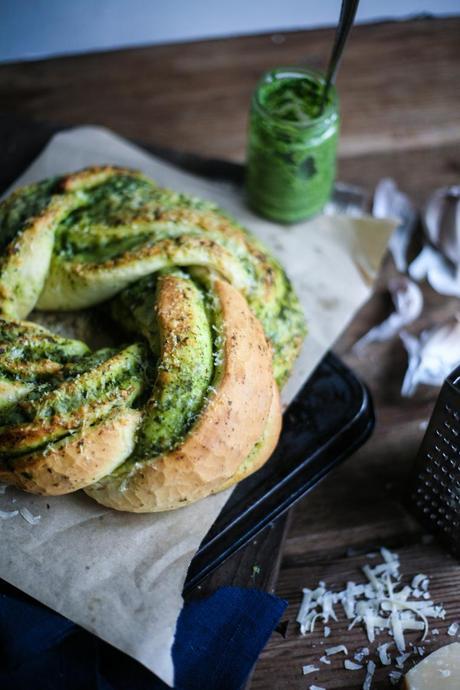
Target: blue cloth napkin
[(218, 640)]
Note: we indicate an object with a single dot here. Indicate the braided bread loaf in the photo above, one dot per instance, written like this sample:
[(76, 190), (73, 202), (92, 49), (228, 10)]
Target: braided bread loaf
[(192, 405)]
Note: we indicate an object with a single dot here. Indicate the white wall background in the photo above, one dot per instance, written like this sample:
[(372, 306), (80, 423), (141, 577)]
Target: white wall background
[(41, 28)]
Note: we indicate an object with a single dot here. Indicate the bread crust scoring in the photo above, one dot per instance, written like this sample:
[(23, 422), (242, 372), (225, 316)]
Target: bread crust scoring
[(188, 409)]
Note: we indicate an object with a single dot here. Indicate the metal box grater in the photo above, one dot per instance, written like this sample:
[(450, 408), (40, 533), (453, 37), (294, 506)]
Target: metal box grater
[(434, 489)]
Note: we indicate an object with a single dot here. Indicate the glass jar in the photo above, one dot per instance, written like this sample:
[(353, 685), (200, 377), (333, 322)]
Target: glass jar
[(291, 157)]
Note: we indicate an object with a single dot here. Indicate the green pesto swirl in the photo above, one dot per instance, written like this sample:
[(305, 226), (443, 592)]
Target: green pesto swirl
[(149, 258), (109, 228), (291, 154)]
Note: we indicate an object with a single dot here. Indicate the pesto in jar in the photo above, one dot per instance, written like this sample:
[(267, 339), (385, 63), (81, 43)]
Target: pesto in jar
[(292, 145)]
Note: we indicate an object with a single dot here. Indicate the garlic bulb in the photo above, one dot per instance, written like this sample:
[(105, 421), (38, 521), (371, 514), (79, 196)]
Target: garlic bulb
[(441, 220)]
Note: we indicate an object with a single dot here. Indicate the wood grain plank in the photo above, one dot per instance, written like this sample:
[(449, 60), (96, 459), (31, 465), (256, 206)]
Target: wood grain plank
[(359, 508), (282, 660), (399, 87)]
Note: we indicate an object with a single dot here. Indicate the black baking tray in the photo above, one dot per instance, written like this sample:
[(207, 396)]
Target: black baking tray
[(331, 416)]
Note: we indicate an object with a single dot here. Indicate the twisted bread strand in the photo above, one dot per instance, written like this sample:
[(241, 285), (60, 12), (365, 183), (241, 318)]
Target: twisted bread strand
[(189, 408)]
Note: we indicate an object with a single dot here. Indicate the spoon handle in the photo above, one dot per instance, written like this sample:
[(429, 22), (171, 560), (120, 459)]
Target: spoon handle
[(347, 15)]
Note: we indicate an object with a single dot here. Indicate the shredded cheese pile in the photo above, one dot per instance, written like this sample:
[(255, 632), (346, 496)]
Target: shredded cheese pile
[(380, 604), (23, 512)]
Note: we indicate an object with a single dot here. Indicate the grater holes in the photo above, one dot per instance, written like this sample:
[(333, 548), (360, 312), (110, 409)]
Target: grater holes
[(450, 428), (452, 412), (436, 487)]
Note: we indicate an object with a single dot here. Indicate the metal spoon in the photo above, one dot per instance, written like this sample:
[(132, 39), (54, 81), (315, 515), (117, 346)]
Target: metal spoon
[(347, 15)]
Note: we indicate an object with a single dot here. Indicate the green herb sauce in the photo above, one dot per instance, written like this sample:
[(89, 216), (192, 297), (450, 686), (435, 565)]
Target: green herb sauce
[(291, 146)]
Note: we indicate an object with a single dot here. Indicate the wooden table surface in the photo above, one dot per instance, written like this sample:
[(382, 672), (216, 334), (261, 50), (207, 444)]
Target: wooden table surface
[(400, 97)]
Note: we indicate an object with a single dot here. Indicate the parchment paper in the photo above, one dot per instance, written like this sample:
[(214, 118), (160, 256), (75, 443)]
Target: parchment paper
[(120, 575)]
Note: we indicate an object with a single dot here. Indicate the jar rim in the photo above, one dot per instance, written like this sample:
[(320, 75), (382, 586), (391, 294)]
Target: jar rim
[(297, 72)]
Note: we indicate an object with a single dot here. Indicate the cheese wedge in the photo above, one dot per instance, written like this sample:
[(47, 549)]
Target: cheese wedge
[(439, 671)]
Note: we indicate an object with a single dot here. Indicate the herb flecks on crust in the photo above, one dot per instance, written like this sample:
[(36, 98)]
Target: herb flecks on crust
[(212, 315)]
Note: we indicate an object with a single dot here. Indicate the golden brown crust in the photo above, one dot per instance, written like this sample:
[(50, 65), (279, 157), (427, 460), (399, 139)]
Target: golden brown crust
[(78, 460), (102, 280), (235, 431), (265, 446), (26, 261), (227, 431), (90, 177)]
